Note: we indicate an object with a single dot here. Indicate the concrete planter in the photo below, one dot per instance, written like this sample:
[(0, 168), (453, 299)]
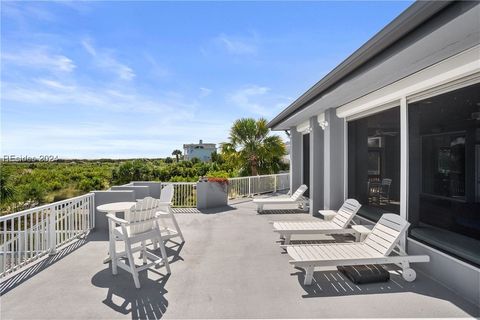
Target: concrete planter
[(211, 195)]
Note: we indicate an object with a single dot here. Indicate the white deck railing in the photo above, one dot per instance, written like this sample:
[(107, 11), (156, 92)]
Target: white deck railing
[(249, 186), (185, 194), (30, 234), (27, 235)]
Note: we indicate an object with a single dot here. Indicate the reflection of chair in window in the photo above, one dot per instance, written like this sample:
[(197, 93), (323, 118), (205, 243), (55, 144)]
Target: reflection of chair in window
[(379, 193), (385, 191)]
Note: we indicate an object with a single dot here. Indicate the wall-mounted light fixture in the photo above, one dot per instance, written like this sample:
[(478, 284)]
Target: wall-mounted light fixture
[(323, 124)]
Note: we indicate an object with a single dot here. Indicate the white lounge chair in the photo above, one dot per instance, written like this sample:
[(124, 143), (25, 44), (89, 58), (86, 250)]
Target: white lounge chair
[(296, 198), (142, 225), (375, 249), (337, 225)]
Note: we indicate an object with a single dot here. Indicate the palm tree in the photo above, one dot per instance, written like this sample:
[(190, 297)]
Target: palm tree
[(252, 148), (177, 153)]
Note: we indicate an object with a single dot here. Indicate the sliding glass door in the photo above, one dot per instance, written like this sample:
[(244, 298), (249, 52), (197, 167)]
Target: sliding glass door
[(444, 172), (374, 163)]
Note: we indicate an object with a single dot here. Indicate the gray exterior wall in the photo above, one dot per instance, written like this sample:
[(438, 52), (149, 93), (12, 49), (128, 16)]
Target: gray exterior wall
[(316, 167), (140, 192), (295, 159), (458, 276), (334, 151), (103, 197), (451, 31), (154, 188)]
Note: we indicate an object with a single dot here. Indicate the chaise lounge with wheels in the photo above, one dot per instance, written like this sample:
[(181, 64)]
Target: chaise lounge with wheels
[(380, 247), (338, 225), (296, 198)]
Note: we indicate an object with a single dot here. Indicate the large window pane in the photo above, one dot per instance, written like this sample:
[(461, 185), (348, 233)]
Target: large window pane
[(374, 163), (444, 177)]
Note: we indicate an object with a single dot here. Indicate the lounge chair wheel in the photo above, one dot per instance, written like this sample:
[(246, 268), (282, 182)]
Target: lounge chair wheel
[(409, 274)]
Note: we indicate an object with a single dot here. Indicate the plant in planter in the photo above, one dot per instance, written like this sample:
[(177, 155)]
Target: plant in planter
[(223, 181)]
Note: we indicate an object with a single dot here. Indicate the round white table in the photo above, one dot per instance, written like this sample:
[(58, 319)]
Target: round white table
[(115, 207)]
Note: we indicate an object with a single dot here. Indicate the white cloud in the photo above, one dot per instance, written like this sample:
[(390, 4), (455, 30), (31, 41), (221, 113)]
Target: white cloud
[(204, 92), (259, 100), (119, 122), (23, 12), (156, 69), (39, 58), (238, 45), (54, 84), (244, 98), (87, 45), (105, 60), (44, 92)]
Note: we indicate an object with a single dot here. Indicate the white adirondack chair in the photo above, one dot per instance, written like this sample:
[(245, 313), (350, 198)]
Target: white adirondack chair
[(142, 225), (375, 249), (169, 227), (296, 198), (338, 225)]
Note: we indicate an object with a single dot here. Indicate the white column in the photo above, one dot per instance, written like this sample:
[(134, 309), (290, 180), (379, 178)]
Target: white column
[(334, 153), (295, 159), (316, 166), (403, 161)]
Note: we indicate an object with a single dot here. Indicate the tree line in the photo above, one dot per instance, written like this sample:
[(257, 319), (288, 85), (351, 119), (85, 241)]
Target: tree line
[(251, 150)]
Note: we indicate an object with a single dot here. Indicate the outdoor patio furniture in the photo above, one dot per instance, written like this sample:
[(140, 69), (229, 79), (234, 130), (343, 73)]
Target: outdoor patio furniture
[(296, 198), (337, 225), (113, 208), (379, 193), (142, 225), (376, 249), (169, 227)]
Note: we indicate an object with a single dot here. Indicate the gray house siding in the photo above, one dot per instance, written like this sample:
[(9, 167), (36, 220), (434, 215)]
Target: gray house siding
[(334, 166)]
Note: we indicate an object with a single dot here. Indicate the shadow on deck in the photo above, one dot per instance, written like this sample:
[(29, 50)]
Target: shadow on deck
[(229, 267)]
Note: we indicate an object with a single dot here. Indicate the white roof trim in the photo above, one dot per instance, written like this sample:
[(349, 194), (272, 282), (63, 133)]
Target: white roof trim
[(321, 118), (457, 67), (321, 121), (304, 127)]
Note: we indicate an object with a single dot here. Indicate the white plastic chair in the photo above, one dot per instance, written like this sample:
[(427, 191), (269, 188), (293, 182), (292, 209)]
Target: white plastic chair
[(337, 225), (168, 223), (296, 198), (141, 225)]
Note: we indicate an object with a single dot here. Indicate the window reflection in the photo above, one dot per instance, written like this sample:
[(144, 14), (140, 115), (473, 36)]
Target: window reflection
[(444, 172), (374, 163)]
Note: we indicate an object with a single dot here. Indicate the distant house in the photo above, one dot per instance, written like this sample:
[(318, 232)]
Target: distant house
[(200, 150)]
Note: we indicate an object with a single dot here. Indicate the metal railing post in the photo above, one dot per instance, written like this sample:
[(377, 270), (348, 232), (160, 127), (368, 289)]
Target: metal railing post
[(92, 209), (52, 235), (249, 186)]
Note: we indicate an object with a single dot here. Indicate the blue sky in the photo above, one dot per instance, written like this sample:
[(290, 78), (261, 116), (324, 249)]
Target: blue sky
[(139, 79)]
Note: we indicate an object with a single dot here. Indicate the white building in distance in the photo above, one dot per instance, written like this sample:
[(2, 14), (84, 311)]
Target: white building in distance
[(200, 150)]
